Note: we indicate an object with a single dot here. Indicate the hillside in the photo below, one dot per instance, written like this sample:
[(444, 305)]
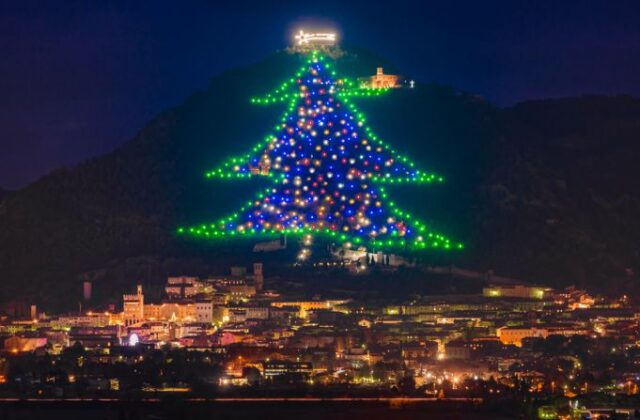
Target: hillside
[(543, 190), (559, 201)]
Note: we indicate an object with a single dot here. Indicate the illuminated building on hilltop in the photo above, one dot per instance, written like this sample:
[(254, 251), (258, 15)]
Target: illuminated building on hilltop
[(380, 80)]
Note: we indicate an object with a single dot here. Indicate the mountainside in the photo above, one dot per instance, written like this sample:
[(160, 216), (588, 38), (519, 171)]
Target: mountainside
[(543, 191), (560, 198)]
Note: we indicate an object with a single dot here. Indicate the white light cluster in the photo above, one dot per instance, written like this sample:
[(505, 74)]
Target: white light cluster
[(306, 38)]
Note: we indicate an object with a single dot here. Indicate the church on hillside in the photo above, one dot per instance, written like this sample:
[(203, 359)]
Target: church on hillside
[(380, 80)]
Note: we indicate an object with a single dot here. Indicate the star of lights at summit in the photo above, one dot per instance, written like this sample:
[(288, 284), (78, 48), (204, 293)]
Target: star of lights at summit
[(306, 38), (326, 166)]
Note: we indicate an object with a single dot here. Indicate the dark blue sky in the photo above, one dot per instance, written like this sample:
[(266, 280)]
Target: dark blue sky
[(78, 78)]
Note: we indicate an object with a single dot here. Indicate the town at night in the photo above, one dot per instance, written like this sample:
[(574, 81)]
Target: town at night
[(284, 211), (246, 334)]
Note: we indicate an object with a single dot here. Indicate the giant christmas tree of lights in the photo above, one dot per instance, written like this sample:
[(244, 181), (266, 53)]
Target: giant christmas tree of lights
[(327, 169)]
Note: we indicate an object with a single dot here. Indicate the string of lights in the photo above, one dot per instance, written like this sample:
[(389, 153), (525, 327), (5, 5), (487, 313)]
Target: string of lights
[(325, 165)]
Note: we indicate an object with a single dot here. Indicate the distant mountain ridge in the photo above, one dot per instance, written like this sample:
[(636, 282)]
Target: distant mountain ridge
[(544, 190)]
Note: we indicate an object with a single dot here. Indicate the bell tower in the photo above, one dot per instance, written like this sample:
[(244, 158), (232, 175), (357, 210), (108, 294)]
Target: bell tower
[(258, 278)]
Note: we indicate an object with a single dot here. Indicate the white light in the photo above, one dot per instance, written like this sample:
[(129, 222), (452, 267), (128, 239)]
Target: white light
[(133, 339), (308, 239), (305, 38), (304, 254)]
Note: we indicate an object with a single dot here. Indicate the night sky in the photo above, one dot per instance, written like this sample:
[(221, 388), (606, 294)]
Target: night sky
[(79, 78)]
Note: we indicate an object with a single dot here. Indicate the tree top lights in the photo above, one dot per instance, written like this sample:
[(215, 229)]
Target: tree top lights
[(326, 168), (307, 38)]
